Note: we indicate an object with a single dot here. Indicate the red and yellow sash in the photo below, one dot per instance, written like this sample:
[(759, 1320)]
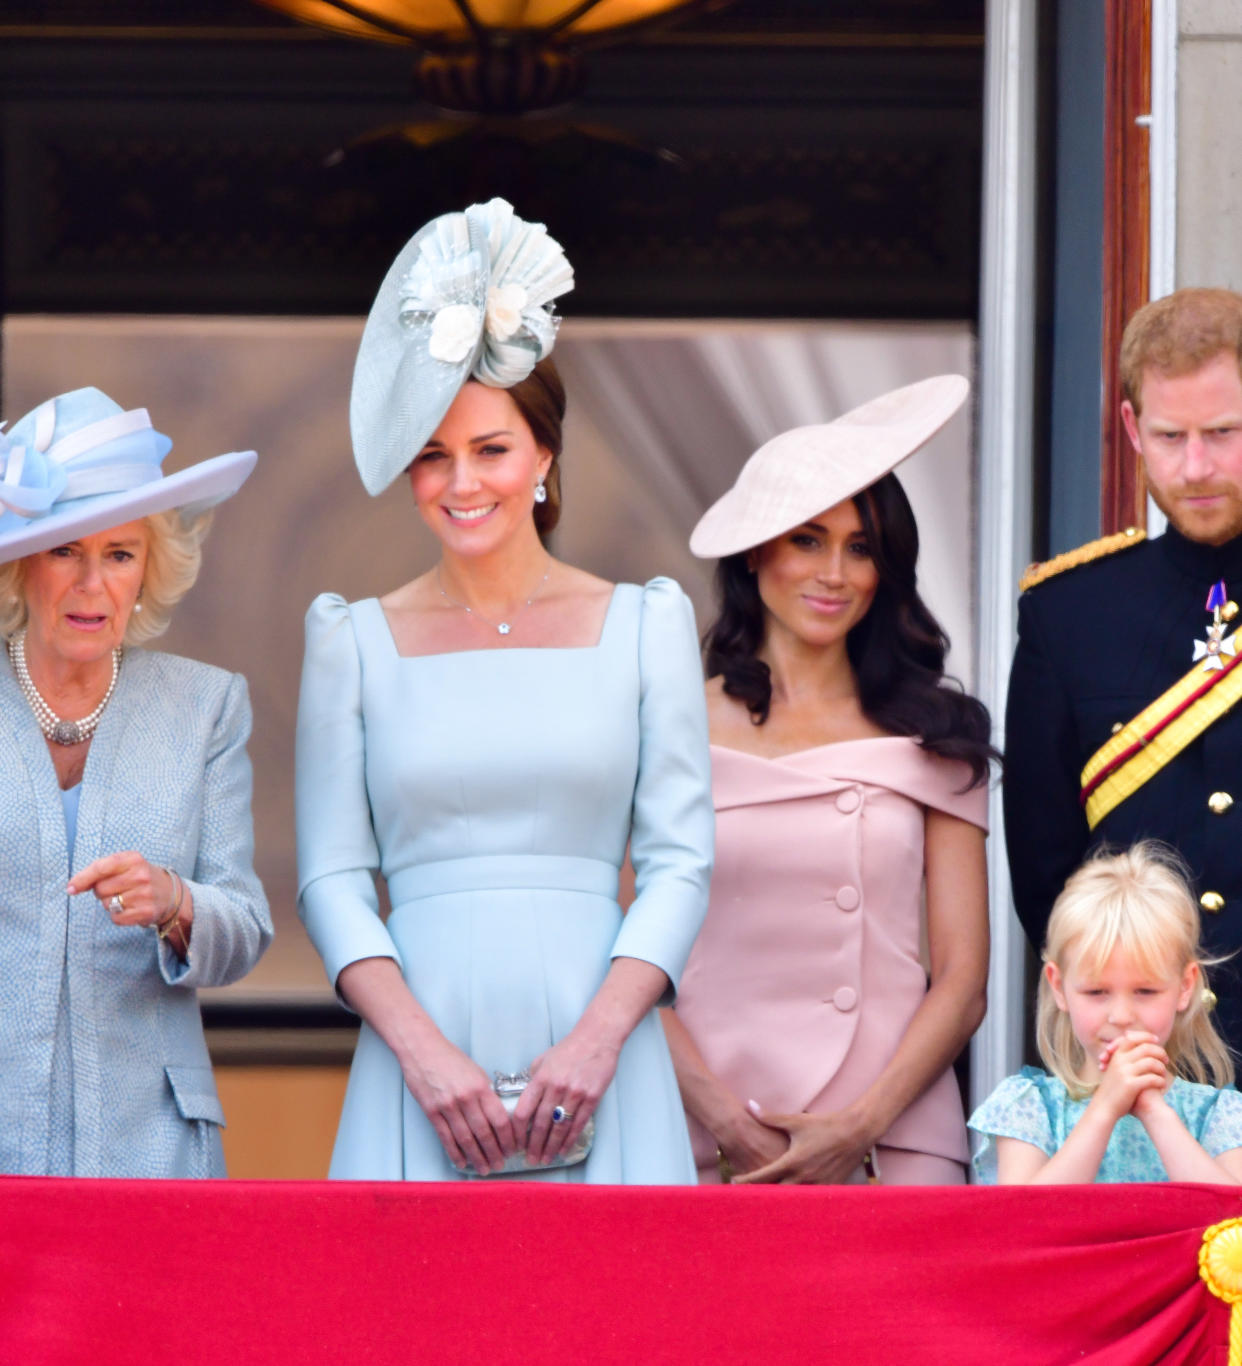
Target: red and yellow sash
[(1142, 747)]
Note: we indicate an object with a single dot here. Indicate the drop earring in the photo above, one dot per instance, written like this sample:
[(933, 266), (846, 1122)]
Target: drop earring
[(138, 601), (541, 494)]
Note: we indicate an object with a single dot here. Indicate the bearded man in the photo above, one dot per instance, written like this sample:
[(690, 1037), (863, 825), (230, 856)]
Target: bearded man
[(1124, 718)]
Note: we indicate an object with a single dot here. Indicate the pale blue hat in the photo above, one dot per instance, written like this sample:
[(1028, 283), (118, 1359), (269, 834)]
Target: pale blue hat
[(468, 297), (79, 464)]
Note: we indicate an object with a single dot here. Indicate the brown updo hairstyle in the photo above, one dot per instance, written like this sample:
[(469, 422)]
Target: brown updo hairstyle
[(540, 398)]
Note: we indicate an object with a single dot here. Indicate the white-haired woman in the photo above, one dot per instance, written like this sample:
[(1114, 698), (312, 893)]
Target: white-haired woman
[(126, 847)]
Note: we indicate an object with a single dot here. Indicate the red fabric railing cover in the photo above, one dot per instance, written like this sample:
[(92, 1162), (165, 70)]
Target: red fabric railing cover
[(225, 1273)]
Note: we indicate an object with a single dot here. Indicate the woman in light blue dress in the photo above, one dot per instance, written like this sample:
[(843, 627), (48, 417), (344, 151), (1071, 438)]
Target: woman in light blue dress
[(490, 737)]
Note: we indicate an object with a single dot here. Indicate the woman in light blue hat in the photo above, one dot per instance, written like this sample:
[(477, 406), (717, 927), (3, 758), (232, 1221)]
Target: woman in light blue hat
[(490, 736), (126, 874)]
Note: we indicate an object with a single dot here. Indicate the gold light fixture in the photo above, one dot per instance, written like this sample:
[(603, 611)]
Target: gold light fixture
[(491, 56)]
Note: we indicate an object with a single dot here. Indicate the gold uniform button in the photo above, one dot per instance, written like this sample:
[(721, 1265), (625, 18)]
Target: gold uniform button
[(1229, 610), (1212, 901), (1116, 727), (1219, 803)]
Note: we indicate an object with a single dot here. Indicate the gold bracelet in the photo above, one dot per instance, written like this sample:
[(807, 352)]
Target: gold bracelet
[(724, 1167), (163, 928)]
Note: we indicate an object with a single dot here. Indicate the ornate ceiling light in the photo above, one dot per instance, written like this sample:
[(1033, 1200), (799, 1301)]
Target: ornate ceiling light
[(491, 56)]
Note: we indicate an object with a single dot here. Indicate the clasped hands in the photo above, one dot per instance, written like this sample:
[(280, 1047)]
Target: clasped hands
[(794, 1149), (1136, 1073), (472, 1123)]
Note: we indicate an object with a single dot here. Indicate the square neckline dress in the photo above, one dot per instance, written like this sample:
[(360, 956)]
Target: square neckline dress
[(496, 791)]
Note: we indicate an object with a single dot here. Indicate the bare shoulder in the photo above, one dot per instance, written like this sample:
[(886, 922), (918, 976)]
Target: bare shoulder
[(728, 718), (569, 581), (574, 607), (417, 595), (714, 688)]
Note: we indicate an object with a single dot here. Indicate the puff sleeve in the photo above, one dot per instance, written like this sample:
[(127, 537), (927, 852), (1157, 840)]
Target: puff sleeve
[(1220, 1130), (232, 925), (337, 850), (1018, 1108), (673, 825)]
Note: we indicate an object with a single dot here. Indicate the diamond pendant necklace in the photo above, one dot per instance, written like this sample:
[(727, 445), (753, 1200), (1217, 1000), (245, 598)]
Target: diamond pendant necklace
[(59, 731), (501, 627)]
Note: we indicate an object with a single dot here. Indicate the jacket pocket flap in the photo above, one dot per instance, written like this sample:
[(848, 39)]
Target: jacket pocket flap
[(194, 1089)]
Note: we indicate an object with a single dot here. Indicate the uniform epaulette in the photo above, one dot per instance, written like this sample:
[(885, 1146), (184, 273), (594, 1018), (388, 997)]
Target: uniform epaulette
[(1083, 554)]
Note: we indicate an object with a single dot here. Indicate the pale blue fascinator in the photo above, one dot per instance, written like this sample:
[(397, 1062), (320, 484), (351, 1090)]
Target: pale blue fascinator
[(79, 464), (468, 297)]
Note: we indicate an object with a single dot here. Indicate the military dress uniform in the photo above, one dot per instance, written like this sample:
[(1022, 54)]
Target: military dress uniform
[(1097, 643)]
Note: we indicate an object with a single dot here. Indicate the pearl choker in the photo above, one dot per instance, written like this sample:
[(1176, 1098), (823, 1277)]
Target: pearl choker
[(58, 731)]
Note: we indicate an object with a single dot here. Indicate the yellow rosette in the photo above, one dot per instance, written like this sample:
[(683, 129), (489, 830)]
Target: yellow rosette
[(1220, 1265)]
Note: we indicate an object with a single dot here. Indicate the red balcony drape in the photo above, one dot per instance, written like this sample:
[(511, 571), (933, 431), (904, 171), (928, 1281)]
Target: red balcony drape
[(106, 1272)]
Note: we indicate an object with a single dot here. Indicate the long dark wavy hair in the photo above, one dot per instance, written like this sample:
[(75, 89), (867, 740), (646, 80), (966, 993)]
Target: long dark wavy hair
[(897, 650)]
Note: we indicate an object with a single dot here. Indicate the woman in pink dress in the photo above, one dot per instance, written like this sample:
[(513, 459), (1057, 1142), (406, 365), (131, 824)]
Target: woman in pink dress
[(843, 962)]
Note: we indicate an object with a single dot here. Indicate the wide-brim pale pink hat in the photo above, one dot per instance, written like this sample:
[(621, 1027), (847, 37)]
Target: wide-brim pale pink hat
[(804, 471)]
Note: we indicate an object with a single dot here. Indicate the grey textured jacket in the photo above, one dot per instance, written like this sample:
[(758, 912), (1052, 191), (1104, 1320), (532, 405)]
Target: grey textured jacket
[(167, 775)]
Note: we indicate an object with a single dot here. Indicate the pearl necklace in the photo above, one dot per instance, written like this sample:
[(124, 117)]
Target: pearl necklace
[(58, 731), (502, 627)]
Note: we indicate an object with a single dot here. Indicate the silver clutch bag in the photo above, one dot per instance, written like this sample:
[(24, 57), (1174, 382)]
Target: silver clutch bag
[(509, 1087)]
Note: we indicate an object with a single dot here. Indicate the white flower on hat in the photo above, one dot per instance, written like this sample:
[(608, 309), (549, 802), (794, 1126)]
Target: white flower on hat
[(505, 305), (454, 332)]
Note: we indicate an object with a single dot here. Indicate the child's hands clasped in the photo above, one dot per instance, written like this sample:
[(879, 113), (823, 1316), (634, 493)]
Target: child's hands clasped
[(1136, 1073)]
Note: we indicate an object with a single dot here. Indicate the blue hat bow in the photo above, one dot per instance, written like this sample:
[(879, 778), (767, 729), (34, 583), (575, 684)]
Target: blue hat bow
[(79, 464), (30, 483)]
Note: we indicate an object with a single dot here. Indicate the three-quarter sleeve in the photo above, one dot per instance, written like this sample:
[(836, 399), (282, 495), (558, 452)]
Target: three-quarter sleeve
[(337, 850), (673, 825), (232, 925)]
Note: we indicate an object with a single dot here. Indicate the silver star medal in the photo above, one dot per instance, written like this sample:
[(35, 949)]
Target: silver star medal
[(1213, 650)]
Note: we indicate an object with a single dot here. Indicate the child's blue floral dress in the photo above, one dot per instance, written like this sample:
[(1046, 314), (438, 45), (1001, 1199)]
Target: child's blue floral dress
[(1037, 1109)]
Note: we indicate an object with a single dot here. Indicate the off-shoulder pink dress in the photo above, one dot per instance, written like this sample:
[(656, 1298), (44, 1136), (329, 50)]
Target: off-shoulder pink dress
[(807, 970)]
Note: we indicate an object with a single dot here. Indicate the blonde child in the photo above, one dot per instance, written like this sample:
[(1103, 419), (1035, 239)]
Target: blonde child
[(1141, 1084)]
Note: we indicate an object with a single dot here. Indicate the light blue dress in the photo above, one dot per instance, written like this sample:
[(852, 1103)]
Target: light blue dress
[(496, 791), (1037, 1109)]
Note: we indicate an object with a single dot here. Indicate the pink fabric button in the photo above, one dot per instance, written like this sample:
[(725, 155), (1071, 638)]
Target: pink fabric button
[(847, 801), (848, 898), (845, 998)]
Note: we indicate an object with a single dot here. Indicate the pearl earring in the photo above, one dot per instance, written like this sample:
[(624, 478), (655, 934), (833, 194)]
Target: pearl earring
[(541, 494)]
